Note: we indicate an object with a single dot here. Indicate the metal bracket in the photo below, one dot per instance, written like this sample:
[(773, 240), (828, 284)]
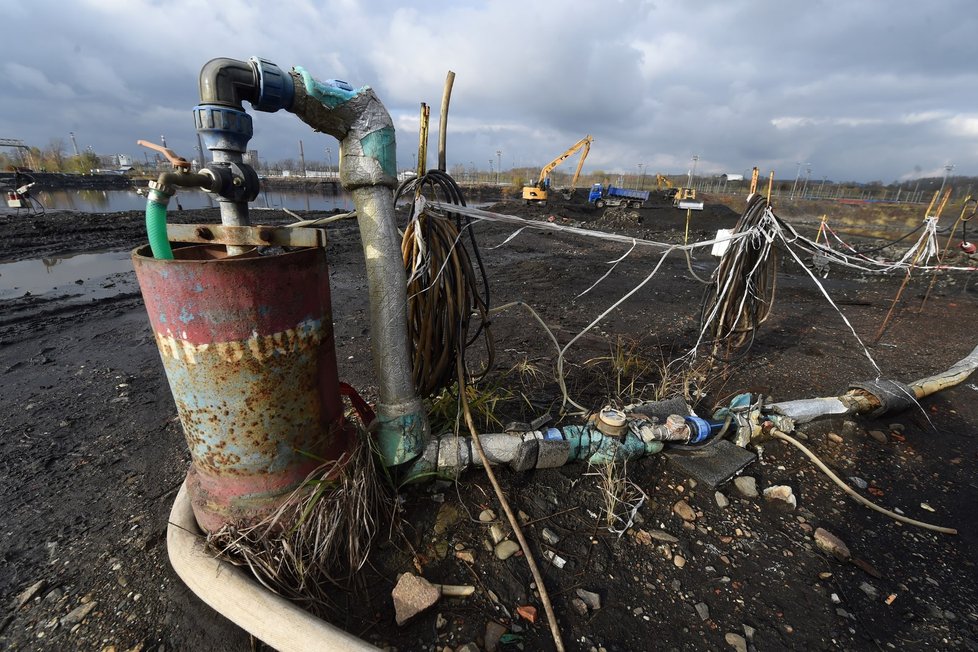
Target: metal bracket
[(246, 236)]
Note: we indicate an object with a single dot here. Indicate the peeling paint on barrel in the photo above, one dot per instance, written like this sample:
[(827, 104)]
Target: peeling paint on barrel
[(247, 345)]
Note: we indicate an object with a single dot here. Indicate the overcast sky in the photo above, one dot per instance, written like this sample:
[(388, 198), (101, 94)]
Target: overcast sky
[(859, 90)]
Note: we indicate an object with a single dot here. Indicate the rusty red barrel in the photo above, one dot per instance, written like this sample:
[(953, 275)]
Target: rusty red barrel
[(247, 343)]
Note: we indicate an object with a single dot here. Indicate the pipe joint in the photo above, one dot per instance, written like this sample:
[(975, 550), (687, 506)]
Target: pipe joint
[(275, 87), (229, 82), (223, 128), (236, 182)]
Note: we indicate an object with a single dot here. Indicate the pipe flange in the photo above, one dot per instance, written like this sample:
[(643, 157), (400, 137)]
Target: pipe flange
[(893, 396), (276, 89), (235, 182)]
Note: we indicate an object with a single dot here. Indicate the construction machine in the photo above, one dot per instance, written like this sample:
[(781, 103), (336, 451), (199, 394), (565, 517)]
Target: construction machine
[(663, 183), (538, 191)]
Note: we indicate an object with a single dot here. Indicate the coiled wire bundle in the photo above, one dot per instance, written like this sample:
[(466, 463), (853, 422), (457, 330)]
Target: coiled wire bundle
[(444, 290), (740, 295)]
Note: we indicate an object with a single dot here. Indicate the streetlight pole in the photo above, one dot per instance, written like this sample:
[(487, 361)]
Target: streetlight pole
[(490, 170), (947, 170), (808, 174), (499, 164), (329, 161), (794, 186), (692, 171)]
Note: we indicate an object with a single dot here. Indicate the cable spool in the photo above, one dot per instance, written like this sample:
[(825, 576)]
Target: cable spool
[(443, 287)]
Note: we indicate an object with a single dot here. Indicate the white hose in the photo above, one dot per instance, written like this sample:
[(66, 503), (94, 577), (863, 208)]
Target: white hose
[(242, 600)]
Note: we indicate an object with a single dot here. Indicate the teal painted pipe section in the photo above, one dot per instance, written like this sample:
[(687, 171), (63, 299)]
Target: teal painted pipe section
[(400, 438), (330, 95), (380, 145), (156, 225)]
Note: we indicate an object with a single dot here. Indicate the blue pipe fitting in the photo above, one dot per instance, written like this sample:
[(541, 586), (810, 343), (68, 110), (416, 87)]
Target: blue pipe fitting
[(276, 90), (223, 128), (700, 429)]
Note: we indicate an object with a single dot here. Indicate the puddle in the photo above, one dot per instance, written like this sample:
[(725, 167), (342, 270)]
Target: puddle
[(94, 275)]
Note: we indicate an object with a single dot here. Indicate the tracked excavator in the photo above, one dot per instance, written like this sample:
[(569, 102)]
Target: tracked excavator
[(538, 192)]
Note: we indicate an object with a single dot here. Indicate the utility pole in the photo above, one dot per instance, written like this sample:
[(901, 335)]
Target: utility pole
[(499, 164), (74, 145), (808, 174), (329, 160), (162, 140), (490, 169), (302, 159)]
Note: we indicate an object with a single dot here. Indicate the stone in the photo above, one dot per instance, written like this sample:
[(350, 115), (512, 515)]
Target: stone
[(642, 537), (736, 641), (497, 532), (850, 428), (831, 544), (781, 494), (684, 511), (440, 622), (834, 438), (468, 556), (447, 516), (749, 632), (746, 485), (663, 536), (868, 589), (579, 606), (679, 561), (721, 500), (879, 436), (591, 599), (487, 516), (494, 632), (468, 647), (549, 536), (30, 593), (77, 614), (897, 428), (858, 482), (703, 610), (412, 595), (506, 549), (527, 612)]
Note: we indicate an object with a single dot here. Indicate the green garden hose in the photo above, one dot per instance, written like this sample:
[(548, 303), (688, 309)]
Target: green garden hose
[(156, 225)]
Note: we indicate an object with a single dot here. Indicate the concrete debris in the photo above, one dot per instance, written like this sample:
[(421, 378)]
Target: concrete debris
[(77, 614), (831, 544), (747, 486), (412, 595), (591, 599), (554, 558), (494, 631), (550, 536), (781, 493)]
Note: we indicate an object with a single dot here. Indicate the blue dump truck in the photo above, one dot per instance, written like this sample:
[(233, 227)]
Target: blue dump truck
[(616, 196)]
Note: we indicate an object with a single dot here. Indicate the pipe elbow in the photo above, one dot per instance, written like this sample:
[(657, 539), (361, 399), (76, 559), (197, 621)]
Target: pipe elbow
[(228, 82)]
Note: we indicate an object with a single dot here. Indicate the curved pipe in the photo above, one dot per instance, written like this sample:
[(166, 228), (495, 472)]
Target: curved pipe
[(239, 598), (228, 82), (365, 130)]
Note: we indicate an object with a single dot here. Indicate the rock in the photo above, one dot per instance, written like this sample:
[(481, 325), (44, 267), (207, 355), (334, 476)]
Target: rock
[(29, 593), (736, 641), (642, 537), (527, 612), (77, 614), (468, 647), (897, 428), (879, 436), (591, 599), (549, 536), (440, 622), (868, 589), (412, 595), (703, 610), (663, 536), (579, 606), (447, 516), (494, 631), (468, 556), (850, 428), (858, 482), (679, 561), (684, 511), (781, 493), (831, 544), (749, 632), (722, 501), (497, 532), (487, 516), (506, 549), (834, 438), (747, 486)]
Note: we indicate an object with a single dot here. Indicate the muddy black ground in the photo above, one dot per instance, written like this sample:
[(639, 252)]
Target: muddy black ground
[(92, 456)]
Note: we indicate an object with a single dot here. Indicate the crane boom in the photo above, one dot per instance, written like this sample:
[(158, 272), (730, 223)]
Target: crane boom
[(538, 192)]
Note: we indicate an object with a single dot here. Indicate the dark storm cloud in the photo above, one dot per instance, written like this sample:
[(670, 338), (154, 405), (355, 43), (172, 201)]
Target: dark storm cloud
[(861, 90)]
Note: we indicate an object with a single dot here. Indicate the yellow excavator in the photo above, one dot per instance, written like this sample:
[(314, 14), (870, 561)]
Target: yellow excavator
[(538, 192)]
